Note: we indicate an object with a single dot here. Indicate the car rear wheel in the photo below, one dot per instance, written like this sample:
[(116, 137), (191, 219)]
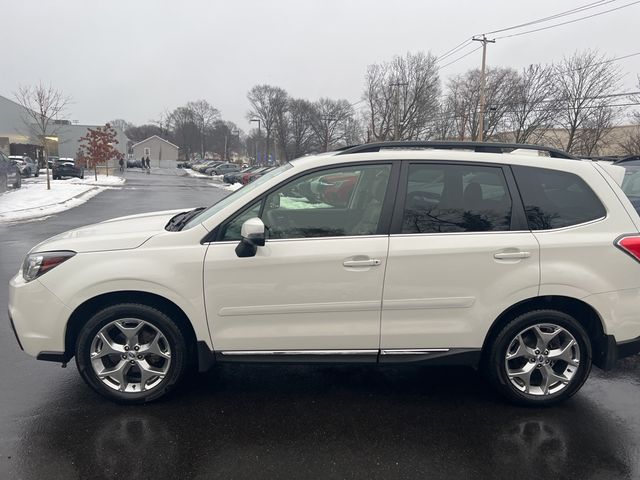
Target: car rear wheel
[(131, 353), (539, 358), (18, 181)]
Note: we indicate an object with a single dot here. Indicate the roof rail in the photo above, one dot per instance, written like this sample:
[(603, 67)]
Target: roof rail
[(487, 147)]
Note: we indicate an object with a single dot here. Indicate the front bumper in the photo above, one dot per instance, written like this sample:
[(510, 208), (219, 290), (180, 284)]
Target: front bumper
[(38, 317)]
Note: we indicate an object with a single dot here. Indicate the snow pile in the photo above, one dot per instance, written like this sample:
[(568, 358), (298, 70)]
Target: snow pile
[(33, 200), (193, 173), (226, 186)]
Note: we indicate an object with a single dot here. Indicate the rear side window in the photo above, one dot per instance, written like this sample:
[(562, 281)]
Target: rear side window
[(555, 199), (443, 198)]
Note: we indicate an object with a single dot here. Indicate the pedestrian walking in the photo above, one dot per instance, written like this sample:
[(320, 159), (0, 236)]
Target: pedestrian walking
[(148, 162), (121, 163), (143, 164)]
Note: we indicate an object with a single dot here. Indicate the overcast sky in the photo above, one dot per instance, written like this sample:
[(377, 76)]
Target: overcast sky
[(135, 59)]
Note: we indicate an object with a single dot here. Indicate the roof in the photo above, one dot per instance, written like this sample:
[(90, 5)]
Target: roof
[(159, 138)]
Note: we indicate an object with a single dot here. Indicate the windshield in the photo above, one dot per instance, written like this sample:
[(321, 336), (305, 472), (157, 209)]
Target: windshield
[(216, 207)]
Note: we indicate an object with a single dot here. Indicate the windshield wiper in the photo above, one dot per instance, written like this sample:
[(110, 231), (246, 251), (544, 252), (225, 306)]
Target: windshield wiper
[(175, 222), (184, 219)]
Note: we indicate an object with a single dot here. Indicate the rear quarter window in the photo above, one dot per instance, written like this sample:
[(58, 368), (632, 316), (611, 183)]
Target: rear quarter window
[(555, 199)]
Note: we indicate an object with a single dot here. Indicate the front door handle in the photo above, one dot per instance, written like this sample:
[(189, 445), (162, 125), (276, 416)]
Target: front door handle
[(511, 255), (372, 262)]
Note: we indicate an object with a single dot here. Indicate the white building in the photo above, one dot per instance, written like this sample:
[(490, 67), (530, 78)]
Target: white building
[(161, 152)]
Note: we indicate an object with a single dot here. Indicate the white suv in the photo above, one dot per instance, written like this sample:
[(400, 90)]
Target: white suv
[(526, 266)]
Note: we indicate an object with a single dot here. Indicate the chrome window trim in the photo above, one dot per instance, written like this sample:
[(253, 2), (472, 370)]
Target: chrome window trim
[(349, 237)]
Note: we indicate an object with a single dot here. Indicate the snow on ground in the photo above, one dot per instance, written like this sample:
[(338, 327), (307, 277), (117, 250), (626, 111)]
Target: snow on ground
[(226, 186), (33, 200), (193, 173)]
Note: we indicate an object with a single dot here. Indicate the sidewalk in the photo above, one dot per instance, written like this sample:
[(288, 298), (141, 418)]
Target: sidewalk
[(33, 200)]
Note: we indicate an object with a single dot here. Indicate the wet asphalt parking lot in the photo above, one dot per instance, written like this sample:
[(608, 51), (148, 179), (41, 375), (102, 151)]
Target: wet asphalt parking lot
[(253, 421)]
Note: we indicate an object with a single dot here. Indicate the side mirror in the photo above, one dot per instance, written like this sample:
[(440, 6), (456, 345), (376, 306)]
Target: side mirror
[(253, 236)]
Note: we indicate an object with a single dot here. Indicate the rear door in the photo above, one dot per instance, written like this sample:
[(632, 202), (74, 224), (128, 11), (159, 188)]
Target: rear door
[(460, 253)]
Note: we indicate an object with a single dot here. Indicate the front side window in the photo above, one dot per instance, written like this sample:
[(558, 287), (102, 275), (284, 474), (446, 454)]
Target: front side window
[(445, 198), (556, 199), (336, 202)]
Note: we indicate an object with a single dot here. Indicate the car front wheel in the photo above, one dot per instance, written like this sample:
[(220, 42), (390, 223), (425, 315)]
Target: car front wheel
[(539, 358), (131, 353)]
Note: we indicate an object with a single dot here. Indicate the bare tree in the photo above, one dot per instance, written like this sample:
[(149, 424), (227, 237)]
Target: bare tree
[(464, 100), (267, 104), (402, 96), (586, 84), (121, 124), (185, 129), (330, 121), (535, 104), (204, 116), (41, 106)]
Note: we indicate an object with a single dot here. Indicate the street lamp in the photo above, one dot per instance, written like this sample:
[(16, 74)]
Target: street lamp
[(259, 135)]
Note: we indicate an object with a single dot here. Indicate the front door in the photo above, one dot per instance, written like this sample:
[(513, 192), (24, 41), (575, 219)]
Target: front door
[(316, 286)]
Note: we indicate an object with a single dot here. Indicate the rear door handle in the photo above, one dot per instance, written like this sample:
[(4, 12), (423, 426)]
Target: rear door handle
[(511, 255), (372, 262)]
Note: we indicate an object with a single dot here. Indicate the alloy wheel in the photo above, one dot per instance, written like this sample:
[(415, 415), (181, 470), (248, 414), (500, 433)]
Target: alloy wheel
[(130, 355), (542, 359)]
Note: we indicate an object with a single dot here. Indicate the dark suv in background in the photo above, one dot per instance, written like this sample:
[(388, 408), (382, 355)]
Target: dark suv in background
[(67, 168), (9, 174)]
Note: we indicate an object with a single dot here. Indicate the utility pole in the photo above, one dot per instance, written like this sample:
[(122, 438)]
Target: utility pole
[(396, 130), (259, 135), (483, 83)]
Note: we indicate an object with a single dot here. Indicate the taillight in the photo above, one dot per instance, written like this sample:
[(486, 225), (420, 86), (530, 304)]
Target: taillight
[(629, 244)]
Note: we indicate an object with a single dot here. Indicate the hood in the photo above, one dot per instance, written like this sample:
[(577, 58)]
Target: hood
[(121, 233)]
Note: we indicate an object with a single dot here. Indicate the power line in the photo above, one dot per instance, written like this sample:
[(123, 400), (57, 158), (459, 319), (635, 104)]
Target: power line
[(568, 22), (455, 49), (460, 58), (572, 11)]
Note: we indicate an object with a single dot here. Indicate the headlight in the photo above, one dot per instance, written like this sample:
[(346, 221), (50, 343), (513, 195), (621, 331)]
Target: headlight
[(37, 264)]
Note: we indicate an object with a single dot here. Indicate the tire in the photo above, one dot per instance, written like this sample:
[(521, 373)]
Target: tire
[(157, 332), (4, 183), (545, 380), (18, 181)]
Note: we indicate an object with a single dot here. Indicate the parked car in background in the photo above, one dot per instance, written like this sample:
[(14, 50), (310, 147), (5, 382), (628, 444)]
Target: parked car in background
[(225, 168), (32, 168), (209, 170), (202, 167), (257, 174), (631, 182), (9, 174), (51, 160), (23, 167), (236, 177), (67, 168)]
